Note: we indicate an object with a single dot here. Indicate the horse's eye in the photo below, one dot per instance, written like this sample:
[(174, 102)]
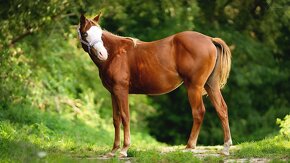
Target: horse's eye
[(85, 34)]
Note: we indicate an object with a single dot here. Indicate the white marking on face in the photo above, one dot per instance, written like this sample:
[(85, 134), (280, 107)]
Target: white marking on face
[(95, 35)]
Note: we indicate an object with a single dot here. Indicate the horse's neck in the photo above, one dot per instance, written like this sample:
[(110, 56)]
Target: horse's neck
[(112, 42), (114, 45)]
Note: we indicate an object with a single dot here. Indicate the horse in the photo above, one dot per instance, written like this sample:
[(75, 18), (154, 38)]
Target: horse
[(130, 66)]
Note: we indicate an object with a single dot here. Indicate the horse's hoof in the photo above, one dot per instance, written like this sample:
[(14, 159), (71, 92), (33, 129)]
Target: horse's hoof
[(225, 152), (187, 149), (109, 155), (123, 154)]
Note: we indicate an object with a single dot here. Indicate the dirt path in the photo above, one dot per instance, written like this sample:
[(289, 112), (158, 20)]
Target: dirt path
[(202, 152), (213, 151)]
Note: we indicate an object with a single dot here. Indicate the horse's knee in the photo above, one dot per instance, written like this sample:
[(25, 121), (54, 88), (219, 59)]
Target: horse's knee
[(125, 122), (199, 113), (125, 119), (116, 122), (198, 116)]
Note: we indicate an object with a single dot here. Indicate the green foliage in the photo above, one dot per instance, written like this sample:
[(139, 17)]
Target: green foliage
[(20, 19), (285, 126), (51, 98), (151, 20)]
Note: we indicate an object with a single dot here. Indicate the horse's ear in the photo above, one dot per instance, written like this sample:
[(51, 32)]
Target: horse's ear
[(82, 20), (97, 18)]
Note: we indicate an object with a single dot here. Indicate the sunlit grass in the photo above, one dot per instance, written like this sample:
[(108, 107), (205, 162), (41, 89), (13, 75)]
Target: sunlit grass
[(77, 142), (272, 147)]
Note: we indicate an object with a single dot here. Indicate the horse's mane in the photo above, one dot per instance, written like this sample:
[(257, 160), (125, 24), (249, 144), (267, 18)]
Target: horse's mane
[(134, 40)]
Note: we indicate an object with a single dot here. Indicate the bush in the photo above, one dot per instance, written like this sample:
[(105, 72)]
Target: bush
[(284, 126)]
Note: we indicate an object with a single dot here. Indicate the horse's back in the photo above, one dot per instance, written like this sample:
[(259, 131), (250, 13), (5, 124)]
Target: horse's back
[(192, 39)]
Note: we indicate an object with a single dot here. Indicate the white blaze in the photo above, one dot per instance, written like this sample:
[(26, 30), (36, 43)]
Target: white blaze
[(95, 35)]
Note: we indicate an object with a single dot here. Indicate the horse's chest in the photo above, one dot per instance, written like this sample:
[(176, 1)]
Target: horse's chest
[(115, 74)]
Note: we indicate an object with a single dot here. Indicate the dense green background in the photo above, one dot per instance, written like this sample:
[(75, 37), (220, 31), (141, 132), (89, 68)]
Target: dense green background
[(47, 81)]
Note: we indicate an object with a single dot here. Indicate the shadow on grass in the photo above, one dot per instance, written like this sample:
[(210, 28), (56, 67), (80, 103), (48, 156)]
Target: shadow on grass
[(24, 151)]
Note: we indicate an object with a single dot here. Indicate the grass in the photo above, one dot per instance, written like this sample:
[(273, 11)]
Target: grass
[(37, 136), (277, 147), (32, 135)]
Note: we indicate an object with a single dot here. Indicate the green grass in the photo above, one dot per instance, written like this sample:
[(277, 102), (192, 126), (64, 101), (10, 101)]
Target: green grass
[(32, 131), (273, 147)]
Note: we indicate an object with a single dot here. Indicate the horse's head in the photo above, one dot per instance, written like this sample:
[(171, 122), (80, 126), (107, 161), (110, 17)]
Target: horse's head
[(90, 34)]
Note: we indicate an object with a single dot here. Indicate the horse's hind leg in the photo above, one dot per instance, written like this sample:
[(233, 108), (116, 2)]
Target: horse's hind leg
[(198, 111), (220, 105)]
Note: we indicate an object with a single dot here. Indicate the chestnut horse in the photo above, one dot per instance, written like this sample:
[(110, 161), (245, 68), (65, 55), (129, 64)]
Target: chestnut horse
[(129, 66)]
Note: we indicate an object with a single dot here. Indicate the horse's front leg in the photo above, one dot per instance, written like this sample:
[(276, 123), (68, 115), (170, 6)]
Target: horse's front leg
[(117, 125), (121, 97)]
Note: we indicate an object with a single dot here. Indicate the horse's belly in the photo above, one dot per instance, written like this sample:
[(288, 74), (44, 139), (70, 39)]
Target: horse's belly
[(165, 90), (155, 85)]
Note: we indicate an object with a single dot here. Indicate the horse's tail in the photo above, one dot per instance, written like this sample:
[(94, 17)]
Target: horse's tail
[(222, 68)]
